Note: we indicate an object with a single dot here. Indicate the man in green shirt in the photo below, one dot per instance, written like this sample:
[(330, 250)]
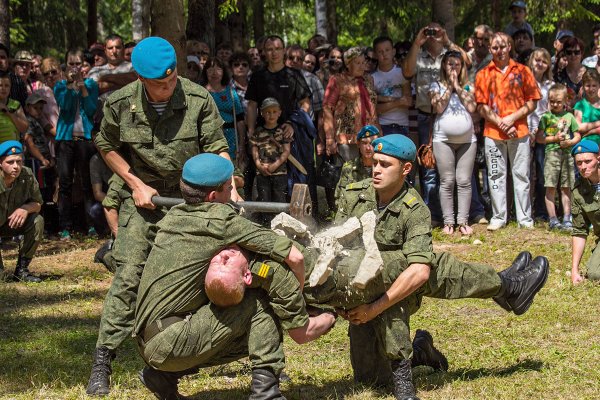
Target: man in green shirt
[(150, 128), (176, 328), (20, 203), (586, 209)]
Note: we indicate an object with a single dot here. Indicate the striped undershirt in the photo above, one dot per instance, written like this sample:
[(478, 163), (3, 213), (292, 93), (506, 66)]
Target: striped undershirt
[(597, 187), (159, 106)]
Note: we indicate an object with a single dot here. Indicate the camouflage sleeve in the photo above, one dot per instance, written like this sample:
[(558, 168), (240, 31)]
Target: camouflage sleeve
[(341, 203), (345, 178), (581, 224), (109, 137), (210, 128), (285, 296), (418, 247), (257, 239)]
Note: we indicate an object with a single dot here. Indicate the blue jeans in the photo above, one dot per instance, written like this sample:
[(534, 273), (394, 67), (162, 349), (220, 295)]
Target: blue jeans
[(477, 209), (428, 178), (97, 217), (539, 205)]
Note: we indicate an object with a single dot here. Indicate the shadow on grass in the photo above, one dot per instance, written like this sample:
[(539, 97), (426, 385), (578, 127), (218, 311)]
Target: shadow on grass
[(10, 302), (437, 380)]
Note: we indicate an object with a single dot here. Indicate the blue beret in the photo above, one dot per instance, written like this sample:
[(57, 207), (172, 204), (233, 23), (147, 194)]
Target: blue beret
[(154, 58), (396, 145), (585, 146), (10, 147), (207, 169), (367, 131)]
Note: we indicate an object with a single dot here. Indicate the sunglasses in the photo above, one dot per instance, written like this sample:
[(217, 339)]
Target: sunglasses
[(572, 52), (295, 58), (74, 64), (243, 64), (51, 72), (22, 64)]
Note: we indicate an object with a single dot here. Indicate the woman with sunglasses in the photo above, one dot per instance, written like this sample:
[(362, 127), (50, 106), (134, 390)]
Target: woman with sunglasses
[(77, 99), (454, 141), (571, 76)]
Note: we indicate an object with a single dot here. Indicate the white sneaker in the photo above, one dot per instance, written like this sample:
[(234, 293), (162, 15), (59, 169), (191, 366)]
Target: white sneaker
[(494, 226)]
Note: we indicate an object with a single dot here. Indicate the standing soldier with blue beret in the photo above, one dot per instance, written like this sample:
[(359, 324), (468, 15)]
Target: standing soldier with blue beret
[(20, 203), (150, 128), (586, 209), (361, 167), (380, 346)]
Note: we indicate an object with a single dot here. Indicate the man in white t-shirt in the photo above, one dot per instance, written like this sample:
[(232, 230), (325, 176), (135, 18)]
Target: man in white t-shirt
[(117, 72), (393, 90)]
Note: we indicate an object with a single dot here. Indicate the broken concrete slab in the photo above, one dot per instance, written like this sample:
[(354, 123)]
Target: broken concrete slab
[(372, 263)]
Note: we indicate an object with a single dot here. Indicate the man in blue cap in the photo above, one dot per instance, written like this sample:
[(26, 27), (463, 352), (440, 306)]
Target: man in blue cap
[(380, 347), (586, 209), (20, 203), (176, 328), (150, 128), (361, 167)]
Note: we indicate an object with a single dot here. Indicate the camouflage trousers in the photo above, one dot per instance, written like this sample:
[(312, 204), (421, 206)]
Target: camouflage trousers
[(32, 231), (137, 230), (593, 265), (215, 335)]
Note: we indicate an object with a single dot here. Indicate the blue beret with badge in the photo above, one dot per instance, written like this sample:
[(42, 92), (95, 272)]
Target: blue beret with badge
[(585, 146), (207, 169), (154, 58), (367, 131), (395, 145), (10, 147)]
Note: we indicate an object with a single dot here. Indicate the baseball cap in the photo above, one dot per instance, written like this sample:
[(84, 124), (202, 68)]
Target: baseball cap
[(34, 98)]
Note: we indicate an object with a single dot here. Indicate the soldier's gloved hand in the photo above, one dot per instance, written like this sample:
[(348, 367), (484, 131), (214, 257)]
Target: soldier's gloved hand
[(142, 196)]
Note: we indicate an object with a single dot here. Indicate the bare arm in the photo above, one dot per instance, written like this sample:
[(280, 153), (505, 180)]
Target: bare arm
[(305, 104), (109, 82), (112, 219), (578, 246), (295, 261), (251, 115), (407, 282), (99, 194), (314, 328), (409, 69), (19, 216), (19, 119), (35, 152)]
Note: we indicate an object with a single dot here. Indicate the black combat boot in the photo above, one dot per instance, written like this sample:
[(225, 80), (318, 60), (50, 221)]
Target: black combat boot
[(424, 353), (101, 256), (265, 385), (519, 264), (99, 383), (519, 287), (22, 271), (402, 377), (163, 384)]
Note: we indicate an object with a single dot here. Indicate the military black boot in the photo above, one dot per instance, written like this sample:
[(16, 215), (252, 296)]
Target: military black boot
[(103, 256), (265, 385), (22, 271), (162, 384), (99, 383), (520, 287), (402, 377), (519, 264), (424, 353)]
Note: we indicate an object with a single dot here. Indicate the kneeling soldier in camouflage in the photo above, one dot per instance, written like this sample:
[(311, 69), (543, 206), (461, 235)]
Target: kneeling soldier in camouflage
[(20, 203)]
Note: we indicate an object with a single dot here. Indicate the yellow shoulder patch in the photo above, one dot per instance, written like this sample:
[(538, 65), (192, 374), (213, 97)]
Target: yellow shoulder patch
[(410, 200), (263, 270)]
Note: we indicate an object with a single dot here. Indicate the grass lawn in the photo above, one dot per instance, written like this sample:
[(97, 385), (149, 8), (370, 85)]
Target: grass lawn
[(48, 332)]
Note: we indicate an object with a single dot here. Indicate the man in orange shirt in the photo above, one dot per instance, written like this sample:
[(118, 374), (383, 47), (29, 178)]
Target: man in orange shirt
[(506, 92)]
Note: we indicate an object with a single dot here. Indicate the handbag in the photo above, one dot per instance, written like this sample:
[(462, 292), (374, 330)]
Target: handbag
[(425, 156), (329, 172)]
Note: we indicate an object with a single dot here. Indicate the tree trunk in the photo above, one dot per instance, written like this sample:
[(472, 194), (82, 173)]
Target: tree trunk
[(140, 19), (201, 21), (496, 14), (92, 22), (168, 22), (443, 12), (332, 30), (74, 26), (222, 34), (258, 20), (237, 28), (321, 17), (4, 23)]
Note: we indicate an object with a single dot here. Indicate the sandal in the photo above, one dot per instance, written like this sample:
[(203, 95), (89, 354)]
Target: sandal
[(448, 230), (465, 230)]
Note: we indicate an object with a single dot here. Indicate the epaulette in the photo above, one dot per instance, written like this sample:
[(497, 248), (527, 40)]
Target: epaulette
[(364, 184), (410, 200), (192, 89), (123, 93)]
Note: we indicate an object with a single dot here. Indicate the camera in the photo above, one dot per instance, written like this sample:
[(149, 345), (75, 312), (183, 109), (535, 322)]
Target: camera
[(431, 32), (331, 62)]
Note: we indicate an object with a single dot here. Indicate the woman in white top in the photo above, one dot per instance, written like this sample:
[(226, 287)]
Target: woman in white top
[(454, 142)]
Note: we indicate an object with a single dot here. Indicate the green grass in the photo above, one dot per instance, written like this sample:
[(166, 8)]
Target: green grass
[(48, 332)]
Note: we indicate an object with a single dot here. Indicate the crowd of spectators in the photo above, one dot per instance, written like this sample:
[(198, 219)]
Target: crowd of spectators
[(292, 114)]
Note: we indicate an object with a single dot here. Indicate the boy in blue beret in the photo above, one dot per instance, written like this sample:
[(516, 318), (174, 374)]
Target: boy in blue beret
[(379, 331), (172, 290), (586, 209), (362, 166), (20, 203)]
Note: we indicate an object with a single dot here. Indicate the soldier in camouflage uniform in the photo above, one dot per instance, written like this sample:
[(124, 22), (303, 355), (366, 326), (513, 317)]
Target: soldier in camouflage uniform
[(150, 128), (362, 166), (177, 330), (379, 332), (586, 209), (20, 203)]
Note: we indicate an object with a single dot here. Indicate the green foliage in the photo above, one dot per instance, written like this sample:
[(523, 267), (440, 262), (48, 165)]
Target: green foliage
[(227, 8)]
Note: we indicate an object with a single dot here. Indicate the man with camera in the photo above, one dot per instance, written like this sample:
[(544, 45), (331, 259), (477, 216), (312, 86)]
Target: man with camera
[(423, 63)]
